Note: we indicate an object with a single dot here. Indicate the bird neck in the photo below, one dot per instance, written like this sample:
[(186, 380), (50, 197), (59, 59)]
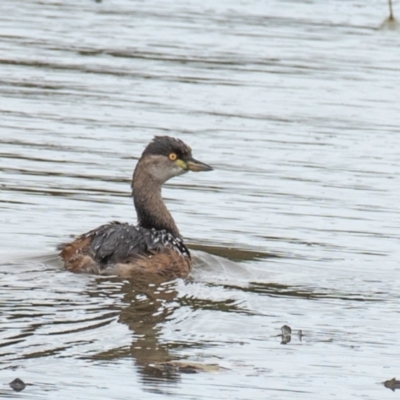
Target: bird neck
[(150, 207)]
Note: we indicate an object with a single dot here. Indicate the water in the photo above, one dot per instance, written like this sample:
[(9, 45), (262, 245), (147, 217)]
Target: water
[(296, 106)]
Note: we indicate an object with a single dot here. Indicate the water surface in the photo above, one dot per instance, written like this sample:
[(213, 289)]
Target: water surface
[(295, 104)]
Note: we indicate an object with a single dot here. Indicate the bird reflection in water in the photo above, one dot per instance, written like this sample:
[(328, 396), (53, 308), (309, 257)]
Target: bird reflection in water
[(147, 307)]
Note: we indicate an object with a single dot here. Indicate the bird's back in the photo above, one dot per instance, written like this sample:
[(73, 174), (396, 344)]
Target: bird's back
[(116, 246)]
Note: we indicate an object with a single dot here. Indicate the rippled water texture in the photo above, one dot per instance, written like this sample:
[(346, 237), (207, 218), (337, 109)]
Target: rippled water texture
[(296, 105)]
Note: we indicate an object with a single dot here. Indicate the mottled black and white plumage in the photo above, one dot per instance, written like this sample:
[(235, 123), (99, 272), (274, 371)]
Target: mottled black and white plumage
[(154, 246), (118, 241)]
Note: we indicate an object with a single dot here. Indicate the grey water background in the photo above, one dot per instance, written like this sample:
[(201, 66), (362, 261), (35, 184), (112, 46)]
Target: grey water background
[(295, 104)]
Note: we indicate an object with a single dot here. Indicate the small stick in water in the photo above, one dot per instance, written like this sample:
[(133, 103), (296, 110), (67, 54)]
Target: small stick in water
[(391, 16)]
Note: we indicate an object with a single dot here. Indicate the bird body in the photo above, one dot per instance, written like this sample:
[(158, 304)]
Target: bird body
[(154, 247)]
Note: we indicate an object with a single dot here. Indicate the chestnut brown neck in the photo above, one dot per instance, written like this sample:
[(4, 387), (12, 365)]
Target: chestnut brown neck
[(150, 207)]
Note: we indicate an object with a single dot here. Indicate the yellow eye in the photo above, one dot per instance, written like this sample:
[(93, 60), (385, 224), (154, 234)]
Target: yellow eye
[(172, 156)]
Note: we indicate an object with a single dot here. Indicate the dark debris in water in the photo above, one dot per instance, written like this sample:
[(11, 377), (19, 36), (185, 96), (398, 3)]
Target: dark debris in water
[(286, 334), (392, 384), (18, 385)]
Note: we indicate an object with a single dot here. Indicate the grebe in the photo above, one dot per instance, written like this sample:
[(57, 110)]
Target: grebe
[(154, 246)]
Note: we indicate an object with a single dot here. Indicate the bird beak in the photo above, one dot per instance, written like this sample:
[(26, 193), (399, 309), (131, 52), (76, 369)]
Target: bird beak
[(197, 166)]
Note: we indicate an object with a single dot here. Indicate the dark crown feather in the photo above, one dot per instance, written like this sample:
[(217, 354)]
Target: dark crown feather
[(164, 145)]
